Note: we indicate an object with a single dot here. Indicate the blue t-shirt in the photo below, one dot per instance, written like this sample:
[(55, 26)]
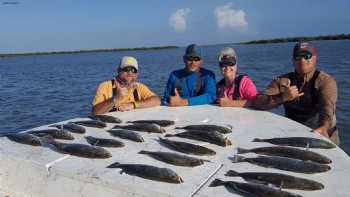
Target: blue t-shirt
[(197, 87)]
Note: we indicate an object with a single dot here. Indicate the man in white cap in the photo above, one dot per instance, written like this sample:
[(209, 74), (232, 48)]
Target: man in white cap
[(123, 93)]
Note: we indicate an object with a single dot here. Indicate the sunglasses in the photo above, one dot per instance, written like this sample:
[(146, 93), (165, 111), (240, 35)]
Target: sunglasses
[(129, 69), (225, 64), (196, 59), (305, 55)]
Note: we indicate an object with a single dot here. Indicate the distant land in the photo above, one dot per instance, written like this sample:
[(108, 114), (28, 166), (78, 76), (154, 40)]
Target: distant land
[(86, 51), (296, 39)]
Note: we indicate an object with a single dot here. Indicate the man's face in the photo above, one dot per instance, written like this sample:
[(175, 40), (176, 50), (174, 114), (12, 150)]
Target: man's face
[(127, 75), (304, 62), (193, 63)]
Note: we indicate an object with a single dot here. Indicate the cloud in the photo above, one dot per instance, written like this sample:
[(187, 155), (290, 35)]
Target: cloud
[(178, 19), (227, 17)]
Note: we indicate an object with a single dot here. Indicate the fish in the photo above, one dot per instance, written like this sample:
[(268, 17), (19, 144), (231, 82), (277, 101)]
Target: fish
[(104, 142), (174, 158), (71, 127), (187, 148), (212, 137), (24, 138), (298, 142), (278, 180), (252, 189), (284, 163), (79, 150), (284, 151), (126, 134), (162, 123), (55, 133), (207, 127), (91, 123), (106, 118), (149, 172), (146, 127)]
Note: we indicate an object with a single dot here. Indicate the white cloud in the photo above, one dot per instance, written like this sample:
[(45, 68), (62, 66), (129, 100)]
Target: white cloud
[(227, 17), (178, 19)]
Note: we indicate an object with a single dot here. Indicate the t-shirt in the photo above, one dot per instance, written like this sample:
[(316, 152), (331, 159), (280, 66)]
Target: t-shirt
[(247, 90)]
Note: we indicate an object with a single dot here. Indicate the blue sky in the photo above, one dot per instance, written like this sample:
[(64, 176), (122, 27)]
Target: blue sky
[(41, 25)]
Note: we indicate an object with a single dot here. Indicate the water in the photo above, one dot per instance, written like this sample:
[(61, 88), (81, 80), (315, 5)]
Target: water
[(38, 90)]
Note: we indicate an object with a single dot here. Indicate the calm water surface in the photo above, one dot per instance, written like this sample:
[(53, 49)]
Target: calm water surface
[(38, 90)]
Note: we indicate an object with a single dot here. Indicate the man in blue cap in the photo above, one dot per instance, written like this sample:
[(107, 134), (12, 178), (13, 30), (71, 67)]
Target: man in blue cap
[(191, 85)]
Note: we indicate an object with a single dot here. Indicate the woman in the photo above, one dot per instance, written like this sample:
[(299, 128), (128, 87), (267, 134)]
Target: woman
[(233, 90)]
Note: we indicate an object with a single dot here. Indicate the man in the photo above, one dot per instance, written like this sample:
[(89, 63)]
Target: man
[(309, 96), (123, 93), (233, 90), (191, 85)]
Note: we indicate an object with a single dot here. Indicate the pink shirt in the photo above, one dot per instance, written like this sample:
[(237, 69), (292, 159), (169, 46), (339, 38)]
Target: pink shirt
[(247, 90)]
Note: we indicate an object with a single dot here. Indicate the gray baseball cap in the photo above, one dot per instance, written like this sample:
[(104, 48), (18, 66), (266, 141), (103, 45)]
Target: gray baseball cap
[(227, 55), (193, 51)]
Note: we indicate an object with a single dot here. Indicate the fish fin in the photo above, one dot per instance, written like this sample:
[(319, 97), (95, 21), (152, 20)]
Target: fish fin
[(242, 150), (116, 127), (231, 173), (114, 165), (238, 158), (258, 140), (144, 152), (178, 127), (169, 135), (216, 182)]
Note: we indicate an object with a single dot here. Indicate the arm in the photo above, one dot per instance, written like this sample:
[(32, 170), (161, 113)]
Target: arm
[(327, 105), (103, 101), (208, 95), (168, 89), (148, 98)]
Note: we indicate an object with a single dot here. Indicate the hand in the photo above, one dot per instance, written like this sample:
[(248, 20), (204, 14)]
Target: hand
[(121, 91), (291, 93), (177, 100), (224, 101), (322, 131), (126, 107)]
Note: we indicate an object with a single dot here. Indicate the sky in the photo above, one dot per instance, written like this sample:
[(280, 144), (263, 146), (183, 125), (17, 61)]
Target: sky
[(65, 25)]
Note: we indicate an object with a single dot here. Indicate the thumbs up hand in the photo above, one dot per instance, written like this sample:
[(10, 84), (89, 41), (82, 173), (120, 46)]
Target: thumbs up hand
[(176, 100), (224, 101)]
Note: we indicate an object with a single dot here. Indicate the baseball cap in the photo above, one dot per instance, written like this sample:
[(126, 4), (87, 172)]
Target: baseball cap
[(128, 61), (304, 46), (193, 51), (227, 55)]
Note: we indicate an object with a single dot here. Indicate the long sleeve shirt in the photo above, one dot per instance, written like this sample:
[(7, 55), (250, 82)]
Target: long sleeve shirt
[(197, 88)]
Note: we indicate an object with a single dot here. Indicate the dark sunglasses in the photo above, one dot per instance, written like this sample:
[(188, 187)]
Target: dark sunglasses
[(196, 59), (129, 69), (305, 55), (225, 64)]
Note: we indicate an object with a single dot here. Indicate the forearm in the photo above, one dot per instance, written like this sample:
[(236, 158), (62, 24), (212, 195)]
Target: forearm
[(202, 99), (149, 102), (266, 102), (239, 103), (103, 107)]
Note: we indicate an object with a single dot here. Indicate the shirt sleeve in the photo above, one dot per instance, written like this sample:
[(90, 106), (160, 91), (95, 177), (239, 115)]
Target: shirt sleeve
[(145, 92), (103, 93), (248, 89), (208, 94), (327, 101), (270, 98), (168, 89)]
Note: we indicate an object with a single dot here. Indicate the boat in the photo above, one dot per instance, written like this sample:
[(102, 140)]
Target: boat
[(41, 172)]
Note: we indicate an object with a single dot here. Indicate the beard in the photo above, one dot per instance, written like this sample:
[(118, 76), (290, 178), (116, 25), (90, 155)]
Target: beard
[(126, 83)]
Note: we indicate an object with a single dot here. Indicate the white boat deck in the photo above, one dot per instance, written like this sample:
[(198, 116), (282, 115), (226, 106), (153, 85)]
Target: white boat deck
[(39, 171)]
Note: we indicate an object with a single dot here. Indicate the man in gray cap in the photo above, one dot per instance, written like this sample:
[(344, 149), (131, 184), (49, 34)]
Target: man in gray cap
[(308, 95), (191, 85), (124, 93)]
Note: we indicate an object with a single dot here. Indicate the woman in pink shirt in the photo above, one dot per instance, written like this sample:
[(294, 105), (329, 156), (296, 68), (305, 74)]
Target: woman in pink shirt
[(233, 90)]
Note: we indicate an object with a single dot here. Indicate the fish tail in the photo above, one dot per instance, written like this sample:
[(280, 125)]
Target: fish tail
[(238, 158), (169, 135), (231, 173), (216, 182), (258, 140), (242, 150), (114, 165)]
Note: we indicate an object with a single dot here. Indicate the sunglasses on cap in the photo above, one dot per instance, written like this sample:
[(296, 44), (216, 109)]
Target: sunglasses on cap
[(129, 69), (306, 55), (196, 59)]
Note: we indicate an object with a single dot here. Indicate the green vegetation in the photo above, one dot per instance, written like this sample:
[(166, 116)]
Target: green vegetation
[(86, 51), (296, 39)]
